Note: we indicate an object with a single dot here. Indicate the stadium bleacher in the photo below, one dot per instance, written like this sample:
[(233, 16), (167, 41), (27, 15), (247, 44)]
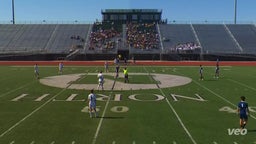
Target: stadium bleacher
[(66, 38)]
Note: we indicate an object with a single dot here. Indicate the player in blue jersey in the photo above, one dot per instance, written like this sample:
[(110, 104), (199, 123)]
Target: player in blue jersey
[(243, 112), (201, 73)]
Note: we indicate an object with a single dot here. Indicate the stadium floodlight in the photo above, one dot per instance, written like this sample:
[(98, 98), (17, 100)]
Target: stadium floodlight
[(13, 16), (235, 11)]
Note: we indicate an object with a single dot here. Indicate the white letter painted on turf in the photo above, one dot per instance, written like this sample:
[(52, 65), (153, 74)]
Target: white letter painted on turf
[(158, 97), (199, 98), (117, 97), (71, 97), (42, 97), (228, 109), (19, 97), (102, 97)]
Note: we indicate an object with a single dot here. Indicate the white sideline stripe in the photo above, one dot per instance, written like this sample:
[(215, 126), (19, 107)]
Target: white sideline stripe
[(34, 111), (42, 97), (2, 95), (70, 98), (101, 120), (219, 96), (19, 97), (176, 114)]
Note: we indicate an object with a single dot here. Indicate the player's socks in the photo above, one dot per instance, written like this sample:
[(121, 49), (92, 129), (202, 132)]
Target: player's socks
[(90, 114)]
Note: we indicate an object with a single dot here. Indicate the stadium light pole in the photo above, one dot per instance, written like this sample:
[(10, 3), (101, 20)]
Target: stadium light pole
[(235, 11), (13, 16)]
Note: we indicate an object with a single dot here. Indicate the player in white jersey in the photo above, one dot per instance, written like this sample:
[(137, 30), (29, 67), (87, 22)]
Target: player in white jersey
[(36, 71), (61, 68), (92, 104), (100, 80)]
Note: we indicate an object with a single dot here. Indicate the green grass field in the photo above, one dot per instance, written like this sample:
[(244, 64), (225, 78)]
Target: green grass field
[(201, 112)]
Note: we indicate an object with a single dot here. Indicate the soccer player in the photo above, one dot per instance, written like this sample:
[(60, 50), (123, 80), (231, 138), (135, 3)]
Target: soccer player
[(106, 66), (217, 71), (92, 104), (201, 73), (36, 71), (100, 80), (61, 67), (125, 75), (117, 70), (243, 112)]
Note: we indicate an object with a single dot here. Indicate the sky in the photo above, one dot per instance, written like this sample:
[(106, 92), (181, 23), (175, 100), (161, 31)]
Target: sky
[(90, 10)]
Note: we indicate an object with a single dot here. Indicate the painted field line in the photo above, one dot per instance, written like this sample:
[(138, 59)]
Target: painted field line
[(2, 95), (174, 111), (30, 114), (252, 88), (219, 96), (103, 115)]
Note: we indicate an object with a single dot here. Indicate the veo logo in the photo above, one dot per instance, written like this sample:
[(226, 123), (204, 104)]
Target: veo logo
[(237, 131)]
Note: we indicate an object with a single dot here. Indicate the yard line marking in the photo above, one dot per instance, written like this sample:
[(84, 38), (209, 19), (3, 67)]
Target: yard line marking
[(12, 142), (34, 111), (252, 88), (133, 142), (174, 142), (176, 114), (53, 142), (73, 142), (215, 142), (42, 97), (100, 123), (33, 142), (2, 95), (154, 142), (19, 97), (114, 142), (219, 96), (103, 114), (179, 119)]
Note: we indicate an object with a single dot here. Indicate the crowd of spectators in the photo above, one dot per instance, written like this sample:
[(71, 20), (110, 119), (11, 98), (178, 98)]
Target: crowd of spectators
[(188, 47), (103, 36), (143, 36)]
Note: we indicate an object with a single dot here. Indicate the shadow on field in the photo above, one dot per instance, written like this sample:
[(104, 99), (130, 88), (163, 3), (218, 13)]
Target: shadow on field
[(252, 130)]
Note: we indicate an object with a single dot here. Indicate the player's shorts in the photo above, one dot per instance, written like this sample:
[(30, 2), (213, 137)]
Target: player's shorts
[(92, 106), (243, 116), (126, 76), (101, 81)]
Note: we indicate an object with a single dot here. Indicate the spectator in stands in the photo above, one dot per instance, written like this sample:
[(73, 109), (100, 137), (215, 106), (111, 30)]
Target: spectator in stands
[(142, 36)]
